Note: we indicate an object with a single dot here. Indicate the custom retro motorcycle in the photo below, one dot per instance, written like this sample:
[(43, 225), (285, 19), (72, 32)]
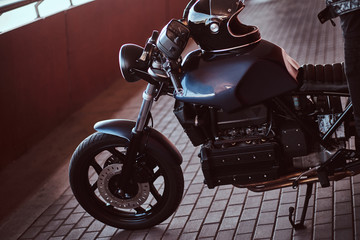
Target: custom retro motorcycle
[(262, 121)]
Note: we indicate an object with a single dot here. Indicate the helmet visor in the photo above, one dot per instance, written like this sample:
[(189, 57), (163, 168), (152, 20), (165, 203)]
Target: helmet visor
[(224, 7)]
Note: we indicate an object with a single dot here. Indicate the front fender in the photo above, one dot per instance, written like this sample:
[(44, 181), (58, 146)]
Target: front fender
[(152, 139)]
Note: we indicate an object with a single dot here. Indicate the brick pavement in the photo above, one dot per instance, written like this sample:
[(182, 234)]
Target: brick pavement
[(227, 212)]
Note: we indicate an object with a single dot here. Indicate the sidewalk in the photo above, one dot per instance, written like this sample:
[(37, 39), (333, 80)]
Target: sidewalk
[(52, 212)]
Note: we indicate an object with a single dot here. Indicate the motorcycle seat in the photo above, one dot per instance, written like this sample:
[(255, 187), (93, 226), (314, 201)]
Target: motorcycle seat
[(322, 78)]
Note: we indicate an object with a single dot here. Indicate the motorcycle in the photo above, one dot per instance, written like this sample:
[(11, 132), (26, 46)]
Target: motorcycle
[(263, 123)]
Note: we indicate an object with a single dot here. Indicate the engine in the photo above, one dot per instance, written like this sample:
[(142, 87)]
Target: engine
[(237, 148)]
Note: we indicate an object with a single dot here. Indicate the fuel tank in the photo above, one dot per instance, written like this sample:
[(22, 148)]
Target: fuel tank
[(235, 80)]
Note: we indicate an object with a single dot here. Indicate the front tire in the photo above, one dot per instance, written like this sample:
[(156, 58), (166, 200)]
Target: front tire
[(151, 197)]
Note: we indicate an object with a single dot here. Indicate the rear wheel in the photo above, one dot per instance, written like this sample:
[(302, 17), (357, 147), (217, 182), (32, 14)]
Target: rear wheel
[(150, 197)]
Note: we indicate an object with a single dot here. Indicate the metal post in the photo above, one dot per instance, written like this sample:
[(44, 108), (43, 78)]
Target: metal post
[(37, 8)]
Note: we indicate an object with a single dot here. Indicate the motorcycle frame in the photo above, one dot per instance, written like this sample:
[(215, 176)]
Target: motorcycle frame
[(325, 139)]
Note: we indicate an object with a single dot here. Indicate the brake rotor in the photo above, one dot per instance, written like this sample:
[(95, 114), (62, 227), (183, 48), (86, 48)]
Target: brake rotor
[(103, 184)]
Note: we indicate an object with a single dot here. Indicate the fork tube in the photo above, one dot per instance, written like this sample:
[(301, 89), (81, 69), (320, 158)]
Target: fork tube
[(136, 134), (148, 98)]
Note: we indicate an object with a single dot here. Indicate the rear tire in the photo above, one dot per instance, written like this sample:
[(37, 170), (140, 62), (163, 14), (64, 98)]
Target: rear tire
[(144, 203)]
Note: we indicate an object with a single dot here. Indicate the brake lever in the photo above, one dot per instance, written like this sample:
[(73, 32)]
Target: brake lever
[(149, 47)]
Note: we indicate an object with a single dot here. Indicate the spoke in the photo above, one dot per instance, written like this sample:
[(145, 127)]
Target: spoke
[(139, 210), (96, 166), (93, 187), (156, 175), (115, 152), (155, 192)]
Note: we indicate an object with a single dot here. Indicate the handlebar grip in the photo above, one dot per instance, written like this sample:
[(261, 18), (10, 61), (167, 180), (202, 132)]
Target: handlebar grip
[(154, 37)]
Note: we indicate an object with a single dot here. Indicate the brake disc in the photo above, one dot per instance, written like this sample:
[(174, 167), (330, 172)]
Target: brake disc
[(103, 185)]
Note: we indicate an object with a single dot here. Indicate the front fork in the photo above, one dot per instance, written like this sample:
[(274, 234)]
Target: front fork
[(136, 134)]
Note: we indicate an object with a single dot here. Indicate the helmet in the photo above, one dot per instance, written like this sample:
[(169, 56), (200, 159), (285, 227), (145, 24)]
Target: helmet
[(215, 27)]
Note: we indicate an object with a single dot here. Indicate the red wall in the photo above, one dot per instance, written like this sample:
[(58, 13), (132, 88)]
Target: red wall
[(51, 67)]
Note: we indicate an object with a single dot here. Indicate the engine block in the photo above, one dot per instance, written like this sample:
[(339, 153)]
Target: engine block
[(241, 164)]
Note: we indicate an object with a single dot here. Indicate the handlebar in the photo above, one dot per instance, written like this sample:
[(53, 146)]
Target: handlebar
[(161, 68)]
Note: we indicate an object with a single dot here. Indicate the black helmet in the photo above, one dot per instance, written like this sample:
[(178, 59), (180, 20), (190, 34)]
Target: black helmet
[(215, 27)]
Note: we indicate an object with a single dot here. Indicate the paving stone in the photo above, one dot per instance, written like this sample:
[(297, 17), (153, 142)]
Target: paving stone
[(53, 209), (213, 217), (79, 209), (343, 221), (56, 238), (135, 235), (198, 213), (263, 231), (323, 231), (272, 195), (63, 214), (233, 210), (223, 194), (288, 197), (228, 234), (206, 192), (229, 223), (218, 205), (42, 220), (178, 222), (107, 231), (89, 236), (43, 236), (246, 227), (282, 223), (75, 233), (243, 236), (269, 206), (324, 193), (284, 209), (322, 217), (356, 188), (31, 232), (324, 204), (343, 196), (72, 203), (253, 202), (342, 185), (283, 234), (236, 199), (193, 226), (84, 222), (266, 218), (189, 199), (249, 214), (208, 230), (53, 225), (342, 208), (188, 236), (172, 234), (184, 210), (304, 233), (204, 202), (95, 226), (63, 230), (154, 233), (344, 234)]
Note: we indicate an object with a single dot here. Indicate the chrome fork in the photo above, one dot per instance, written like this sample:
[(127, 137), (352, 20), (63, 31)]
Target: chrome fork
[(136, 135)]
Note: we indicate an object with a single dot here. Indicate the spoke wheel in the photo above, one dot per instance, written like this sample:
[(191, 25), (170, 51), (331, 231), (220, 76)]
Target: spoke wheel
[(95, 173)]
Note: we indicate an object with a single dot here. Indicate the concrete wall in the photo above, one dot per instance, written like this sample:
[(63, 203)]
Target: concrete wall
[(51, 67)]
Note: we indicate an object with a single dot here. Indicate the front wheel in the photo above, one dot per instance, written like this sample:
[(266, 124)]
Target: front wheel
[(150, 197)]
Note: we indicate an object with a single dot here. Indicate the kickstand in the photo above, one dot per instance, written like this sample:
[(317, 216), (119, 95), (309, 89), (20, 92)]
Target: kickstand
[(301, 225)]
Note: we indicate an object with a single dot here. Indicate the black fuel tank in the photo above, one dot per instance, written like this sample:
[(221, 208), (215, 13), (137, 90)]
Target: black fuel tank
[(236, 80)]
